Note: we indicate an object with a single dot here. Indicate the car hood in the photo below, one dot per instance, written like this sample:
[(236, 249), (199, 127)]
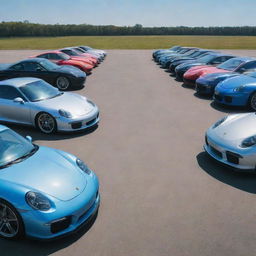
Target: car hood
[(57, 176), (76, 104), (236, 127), (237, 81)]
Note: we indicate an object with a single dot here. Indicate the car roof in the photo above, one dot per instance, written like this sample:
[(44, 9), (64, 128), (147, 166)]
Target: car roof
[(38, 60), (19, 81), (245, 59), (53, 51)]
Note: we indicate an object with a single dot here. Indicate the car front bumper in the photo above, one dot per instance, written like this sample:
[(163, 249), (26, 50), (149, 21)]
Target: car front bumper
[(68, 217), (77, 124), (237, 158), (229, 97)]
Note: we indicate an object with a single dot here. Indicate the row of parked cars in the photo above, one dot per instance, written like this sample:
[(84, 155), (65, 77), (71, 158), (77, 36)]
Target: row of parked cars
[(46, 193), (231, 81)]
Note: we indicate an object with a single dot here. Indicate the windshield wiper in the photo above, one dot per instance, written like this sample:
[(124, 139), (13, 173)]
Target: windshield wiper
[(20, 159)]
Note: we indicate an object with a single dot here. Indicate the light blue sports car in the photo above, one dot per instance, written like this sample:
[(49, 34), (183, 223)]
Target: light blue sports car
[(43, 201)]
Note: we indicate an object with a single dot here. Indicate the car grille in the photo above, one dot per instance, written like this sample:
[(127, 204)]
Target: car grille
[(228, 99), (232, 157), (216, 152), (76, 125)]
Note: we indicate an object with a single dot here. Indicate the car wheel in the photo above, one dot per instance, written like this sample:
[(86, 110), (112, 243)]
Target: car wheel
[(46, 123), (62, 83), (252, 101), (11, 224)]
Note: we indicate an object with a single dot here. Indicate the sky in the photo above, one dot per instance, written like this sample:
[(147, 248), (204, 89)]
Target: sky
[(148, 13)]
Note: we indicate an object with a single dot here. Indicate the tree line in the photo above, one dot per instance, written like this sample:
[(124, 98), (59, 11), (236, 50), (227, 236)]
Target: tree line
[(27, 29)]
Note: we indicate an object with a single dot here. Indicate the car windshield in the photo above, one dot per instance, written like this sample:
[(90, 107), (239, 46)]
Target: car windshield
[(48, 65), (231, 64), (79, 50), (64, 56), (14, 148), (205, 58), (39, 90)]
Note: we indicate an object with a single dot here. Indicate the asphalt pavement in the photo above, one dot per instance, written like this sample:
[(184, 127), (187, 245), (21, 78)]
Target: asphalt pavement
[(161, 195)]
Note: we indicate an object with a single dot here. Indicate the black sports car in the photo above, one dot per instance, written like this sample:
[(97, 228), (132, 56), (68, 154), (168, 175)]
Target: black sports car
[(62, 77)]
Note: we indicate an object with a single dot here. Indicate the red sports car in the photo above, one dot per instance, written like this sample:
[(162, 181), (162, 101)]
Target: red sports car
[(231, 65), (61, 58), (75, 54)]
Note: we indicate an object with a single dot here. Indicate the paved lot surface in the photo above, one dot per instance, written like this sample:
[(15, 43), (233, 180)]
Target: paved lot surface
[(161, 195)]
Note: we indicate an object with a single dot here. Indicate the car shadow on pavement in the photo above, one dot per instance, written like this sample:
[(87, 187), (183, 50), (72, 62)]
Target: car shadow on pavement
[(229, 109), (239, 180), (42, 248), (37, 135)]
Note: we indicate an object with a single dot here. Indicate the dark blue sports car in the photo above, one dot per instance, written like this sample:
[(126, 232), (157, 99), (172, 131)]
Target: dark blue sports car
[(237, 91), (63, 77), (206, 84)]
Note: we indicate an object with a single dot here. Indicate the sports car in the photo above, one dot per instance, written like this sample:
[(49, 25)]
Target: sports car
[(232, 141), (237, 91), (34, 102), (209, 59), (233, 65), (61, 59), (175, 48), (63, 77), (43, 201), (92, 60), (93, 50)]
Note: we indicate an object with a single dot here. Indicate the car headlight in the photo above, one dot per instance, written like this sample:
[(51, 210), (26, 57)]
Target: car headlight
[(38, 201), (83, 166), (248, 142), (65, 113), (219, 122), (239, 89)]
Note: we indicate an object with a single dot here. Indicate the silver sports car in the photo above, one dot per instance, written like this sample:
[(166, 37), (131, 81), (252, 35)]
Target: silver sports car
[(32, 101), (232, 141)]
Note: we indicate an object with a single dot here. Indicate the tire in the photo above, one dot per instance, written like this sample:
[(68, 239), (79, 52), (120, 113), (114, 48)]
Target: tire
[(46, 123), (11, 224), (62, 83), (252, 101)]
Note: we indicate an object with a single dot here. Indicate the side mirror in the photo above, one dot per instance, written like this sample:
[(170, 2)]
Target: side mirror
[(19, 100), (29, 138)]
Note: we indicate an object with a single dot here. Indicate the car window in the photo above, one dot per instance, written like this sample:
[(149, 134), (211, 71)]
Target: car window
[(9, 92), (17, 67), (246, 66), (32, 66), (54, 56)]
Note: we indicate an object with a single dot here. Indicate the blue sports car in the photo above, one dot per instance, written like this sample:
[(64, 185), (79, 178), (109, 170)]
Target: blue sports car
[(43, 201), (237, 91)]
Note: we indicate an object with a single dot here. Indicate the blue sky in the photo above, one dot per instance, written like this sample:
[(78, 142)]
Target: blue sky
[(131, 12)]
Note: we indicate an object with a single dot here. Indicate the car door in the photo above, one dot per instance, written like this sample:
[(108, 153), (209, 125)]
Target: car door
[(34, 69), (11, 110)]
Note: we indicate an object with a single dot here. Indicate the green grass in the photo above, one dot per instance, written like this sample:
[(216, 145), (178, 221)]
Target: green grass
[(130, 42)]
